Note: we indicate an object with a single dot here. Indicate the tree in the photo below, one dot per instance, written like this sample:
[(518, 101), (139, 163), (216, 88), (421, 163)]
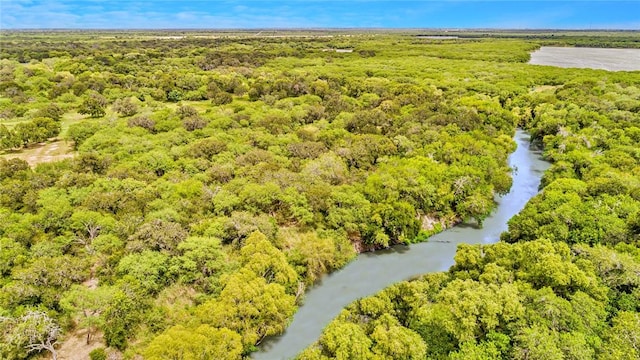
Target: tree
[(537, 342), (14, 168), (34, 331), (157, 235), (265, 260), (54, 210), (142, 121), (496, 347), (328, 167), (37, 130), (201, 259), (315, 255), (45, 279), (174, 95), (52, 111), (27, 133), (470, 310), (623, 338), (8, 138), (393, 341), (91, 162), (192, 123), (81, 131), (87, 304), (349, 210), (93, 105), (477, 206), (185, 111), (121, 316), (48, 128), (125, 107), (239, 225), (346, 341), (87, 225), (202, 342), (249, 306), (392, 223), (221, 98), (207, 148), (11, 254), (149, 270)]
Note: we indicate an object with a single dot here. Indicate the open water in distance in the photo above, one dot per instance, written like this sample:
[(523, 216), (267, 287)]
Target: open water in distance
[(371, 272), (593, 58)]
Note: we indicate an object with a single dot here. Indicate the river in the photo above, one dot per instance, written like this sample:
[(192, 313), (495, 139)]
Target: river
[(372, 272)]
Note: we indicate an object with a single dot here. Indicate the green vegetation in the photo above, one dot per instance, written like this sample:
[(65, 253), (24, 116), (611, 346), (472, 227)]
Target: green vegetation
[(565, 283), (535, 299), (215, 177)]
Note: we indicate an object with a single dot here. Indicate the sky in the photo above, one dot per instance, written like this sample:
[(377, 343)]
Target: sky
[(228, 14)]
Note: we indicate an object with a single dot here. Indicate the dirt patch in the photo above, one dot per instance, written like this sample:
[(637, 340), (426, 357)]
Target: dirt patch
[(360, 247), (43, 152), (543, 88), (91, 283), (429, 222), (75, 345)]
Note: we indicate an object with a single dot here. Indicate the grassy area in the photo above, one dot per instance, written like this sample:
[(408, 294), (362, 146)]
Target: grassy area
[(69, 119), (53, 150)]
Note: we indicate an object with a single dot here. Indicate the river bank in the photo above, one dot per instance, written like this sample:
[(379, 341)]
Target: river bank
[(371, 272)]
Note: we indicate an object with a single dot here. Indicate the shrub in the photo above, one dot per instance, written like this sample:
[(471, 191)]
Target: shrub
[(98, 354)]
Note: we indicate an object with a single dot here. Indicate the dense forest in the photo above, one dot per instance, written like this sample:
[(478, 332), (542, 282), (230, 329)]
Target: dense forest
[(209, 179), (564, 283)]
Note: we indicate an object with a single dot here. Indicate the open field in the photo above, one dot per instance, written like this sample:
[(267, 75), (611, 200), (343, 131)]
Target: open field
[(43, 152), (594, 58), (52, 150)]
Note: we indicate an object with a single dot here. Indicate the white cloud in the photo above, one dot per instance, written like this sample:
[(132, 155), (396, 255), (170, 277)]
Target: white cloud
[(96, 14), (263, 14)]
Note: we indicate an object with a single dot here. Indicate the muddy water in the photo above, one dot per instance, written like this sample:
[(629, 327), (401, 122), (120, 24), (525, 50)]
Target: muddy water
[(372, 272), (593, 58)]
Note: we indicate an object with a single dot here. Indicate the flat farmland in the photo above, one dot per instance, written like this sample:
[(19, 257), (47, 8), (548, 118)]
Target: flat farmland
[(593, 58)]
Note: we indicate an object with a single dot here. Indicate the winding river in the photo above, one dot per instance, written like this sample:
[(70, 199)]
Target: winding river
[(372, 272)]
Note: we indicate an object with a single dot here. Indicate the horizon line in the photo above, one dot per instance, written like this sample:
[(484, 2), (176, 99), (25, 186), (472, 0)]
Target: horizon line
[(453, 29)]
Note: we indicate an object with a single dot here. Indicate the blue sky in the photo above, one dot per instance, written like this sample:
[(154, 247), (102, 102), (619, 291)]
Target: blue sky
[(131, 14)]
